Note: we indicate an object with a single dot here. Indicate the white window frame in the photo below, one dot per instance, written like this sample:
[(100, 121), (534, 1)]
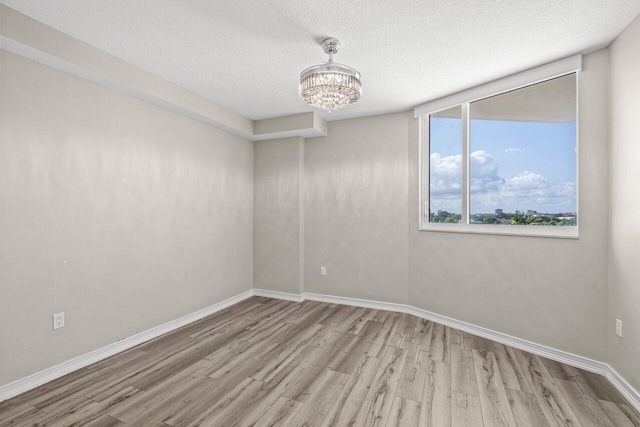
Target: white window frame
[(464, 99)]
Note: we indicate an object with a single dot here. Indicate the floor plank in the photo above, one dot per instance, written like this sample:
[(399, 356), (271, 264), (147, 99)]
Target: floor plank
[(526, 409), (378, 402), (463, 372), (315, 413), (631, 413), (436, 398), (587, 410), (615, 414), (414, 374), (105, 421), (278, 414), (494, 403), (404, 413), (553, 404), (510, 369), (347, 407), (465, 410)]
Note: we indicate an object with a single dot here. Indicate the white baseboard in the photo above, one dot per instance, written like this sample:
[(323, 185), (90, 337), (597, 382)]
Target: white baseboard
[(278, 295), (632, 395), (20, 386), (626, 389), (356, 302)]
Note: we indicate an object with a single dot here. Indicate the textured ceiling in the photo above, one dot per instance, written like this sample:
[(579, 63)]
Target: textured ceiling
[(247, 54)]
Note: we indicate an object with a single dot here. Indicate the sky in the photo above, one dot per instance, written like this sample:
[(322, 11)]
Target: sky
[(514, 166)]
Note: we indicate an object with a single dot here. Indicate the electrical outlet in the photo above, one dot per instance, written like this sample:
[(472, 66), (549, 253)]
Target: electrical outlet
[(323, 271), (58, 320), (619, 328)]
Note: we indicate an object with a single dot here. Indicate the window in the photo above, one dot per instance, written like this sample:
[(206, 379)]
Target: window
[(504, 163)]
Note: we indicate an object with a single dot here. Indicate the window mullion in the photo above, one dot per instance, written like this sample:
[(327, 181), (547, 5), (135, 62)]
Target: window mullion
[(465, 163), (425, 181)]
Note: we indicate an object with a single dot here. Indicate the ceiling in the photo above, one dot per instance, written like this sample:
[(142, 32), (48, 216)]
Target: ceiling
[(246, 55)]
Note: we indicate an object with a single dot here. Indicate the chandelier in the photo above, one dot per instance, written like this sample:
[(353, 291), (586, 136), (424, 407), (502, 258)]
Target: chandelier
[(330, 85)]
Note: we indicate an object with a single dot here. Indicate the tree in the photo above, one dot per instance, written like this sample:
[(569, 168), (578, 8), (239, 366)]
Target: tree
[(522, 219), (491, 220)]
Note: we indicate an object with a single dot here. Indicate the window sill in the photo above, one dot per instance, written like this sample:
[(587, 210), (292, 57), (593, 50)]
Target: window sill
[(504, 230)]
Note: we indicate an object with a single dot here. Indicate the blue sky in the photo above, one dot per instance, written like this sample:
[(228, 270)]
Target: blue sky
[(514, 166)]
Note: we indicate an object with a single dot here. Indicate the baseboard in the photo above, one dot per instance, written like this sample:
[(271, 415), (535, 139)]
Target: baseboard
[(356, 302), (632, 395), (22, 385), (278, 295), (626, 389)]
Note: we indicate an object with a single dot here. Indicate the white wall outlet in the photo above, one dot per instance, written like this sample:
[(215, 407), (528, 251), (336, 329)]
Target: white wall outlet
[(58, 320), (323, 271), (619, 328)]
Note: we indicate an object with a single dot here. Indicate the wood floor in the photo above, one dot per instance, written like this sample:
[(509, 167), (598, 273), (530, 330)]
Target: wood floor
[(267, 362)]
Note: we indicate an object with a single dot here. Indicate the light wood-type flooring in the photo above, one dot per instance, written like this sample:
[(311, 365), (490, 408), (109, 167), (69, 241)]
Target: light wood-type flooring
[(268, 362)]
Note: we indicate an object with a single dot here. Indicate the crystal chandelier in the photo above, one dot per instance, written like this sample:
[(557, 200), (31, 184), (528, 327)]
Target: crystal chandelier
[(330, 85)]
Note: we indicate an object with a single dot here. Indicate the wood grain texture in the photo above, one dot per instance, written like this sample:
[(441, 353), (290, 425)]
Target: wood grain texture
[(615, 414), (553, 404), (265, 362), (526, 409), (404, 413), (496, 410), (436, 398), (465, 410)]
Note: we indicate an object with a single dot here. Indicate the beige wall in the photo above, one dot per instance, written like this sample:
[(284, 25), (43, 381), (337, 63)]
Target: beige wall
[(118, 213), (356, 209), (624, 268), (278, 211), (549, 291)]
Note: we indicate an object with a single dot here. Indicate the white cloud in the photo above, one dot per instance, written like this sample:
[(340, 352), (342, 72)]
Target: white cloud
[(484, 173), (446, 174), (527, 190), (517, 151), (527, 181)]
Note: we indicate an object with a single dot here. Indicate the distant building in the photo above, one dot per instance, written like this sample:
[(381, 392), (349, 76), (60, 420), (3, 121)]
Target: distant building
[(518, 212), (498, 211), (531, 212), (439, 212)]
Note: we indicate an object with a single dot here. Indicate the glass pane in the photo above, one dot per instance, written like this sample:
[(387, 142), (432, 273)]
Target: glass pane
[(523, 156), (445, 166)]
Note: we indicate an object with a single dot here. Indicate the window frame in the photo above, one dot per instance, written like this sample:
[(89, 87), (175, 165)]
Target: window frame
[(464, 99)]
